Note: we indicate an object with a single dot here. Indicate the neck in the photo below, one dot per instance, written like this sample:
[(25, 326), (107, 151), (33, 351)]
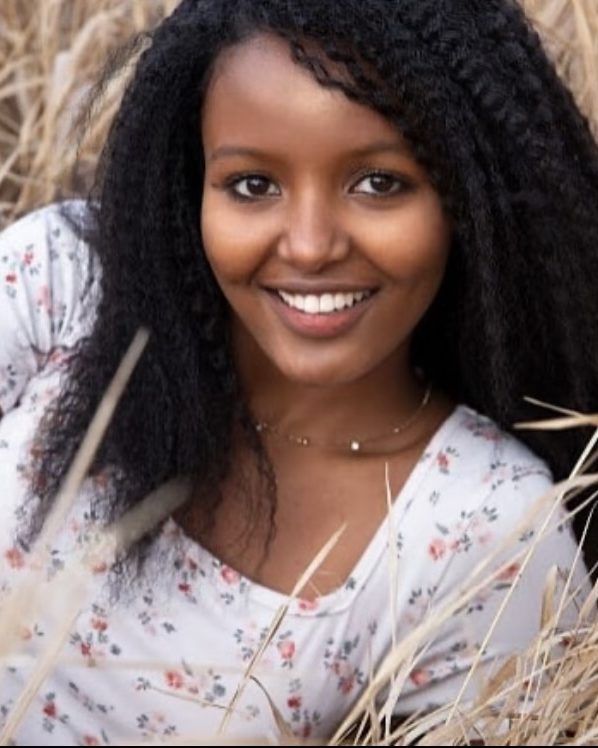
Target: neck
[(368, 406)]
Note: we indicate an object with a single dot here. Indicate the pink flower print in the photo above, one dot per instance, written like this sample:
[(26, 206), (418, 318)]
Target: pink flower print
[(185, 587), (26, 633), (341, 668), (437, 549), (286, 649), (88, 651), (90, 740), (484, 538), (229, 575), (99, 624), (508, 573), (419, 677), (75, 526), (101, 480), (36, 451), (294, 702), (490, 434), (442, 461), (454, 546), (50, 709), (307, 604), (346, 684), (15, 558), (306, 731), (347, 675), (43, 298), (174, 679), (100, 568), (39, 481), (568, 640), (11, 278)]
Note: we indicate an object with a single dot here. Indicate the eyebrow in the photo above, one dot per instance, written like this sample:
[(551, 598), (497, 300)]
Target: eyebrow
[(229, 151)]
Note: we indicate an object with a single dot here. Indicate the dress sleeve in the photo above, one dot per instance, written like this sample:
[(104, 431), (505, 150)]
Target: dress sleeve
[(47, 304), (45, 279), (440, 672)]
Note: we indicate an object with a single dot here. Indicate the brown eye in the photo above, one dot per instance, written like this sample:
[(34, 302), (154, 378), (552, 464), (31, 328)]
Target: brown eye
[(379, 183), (254, 186)]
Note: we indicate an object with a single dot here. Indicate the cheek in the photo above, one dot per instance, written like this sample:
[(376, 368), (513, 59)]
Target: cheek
[(235, 247), (415, 247)]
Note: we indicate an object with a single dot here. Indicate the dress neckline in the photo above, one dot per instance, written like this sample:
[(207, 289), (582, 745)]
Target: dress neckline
[(222, 576)]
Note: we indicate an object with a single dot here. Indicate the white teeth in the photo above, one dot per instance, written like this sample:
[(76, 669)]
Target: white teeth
[(312, 304), (298, 302), (324, 304)]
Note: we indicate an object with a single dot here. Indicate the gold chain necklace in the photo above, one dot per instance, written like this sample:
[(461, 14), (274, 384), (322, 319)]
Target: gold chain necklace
[(351, 445)]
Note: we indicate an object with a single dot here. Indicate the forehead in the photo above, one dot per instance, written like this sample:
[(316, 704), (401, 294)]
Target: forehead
[(258, 93)]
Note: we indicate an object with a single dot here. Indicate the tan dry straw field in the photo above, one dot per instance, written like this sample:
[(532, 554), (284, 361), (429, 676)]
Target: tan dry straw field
[(51, 52)]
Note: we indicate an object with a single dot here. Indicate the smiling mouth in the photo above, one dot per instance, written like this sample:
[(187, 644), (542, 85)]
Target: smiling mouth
[(323, 315), (326, 303)]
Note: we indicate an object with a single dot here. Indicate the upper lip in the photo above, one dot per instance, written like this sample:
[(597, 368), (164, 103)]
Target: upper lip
[(306, 288)]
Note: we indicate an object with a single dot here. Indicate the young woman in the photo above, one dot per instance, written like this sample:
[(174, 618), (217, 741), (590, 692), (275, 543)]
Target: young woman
[(351, 228)]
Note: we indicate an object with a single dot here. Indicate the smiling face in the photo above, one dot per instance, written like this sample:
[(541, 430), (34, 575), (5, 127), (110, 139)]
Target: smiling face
[(324, 233)]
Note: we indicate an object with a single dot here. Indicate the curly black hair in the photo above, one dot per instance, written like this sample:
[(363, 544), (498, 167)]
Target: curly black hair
[(469, 86)]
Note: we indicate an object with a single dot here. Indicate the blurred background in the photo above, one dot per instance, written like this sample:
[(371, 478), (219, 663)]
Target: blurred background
[(53, 51)]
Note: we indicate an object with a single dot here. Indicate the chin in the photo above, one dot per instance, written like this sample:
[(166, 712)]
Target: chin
[(318, 376)]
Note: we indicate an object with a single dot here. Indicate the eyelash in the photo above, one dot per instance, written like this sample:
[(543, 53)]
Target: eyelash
[(236, 179), (402, 185)]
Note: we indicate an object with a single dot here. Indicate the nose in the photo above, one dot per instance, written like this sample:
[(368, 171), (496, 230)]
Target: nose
[(313, 235)]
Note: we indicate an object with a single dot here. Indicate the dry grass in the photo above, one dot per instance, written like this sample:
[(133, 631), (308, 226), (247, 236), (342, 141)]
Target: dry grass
[(51, 53), (570, 32), (546, 695)]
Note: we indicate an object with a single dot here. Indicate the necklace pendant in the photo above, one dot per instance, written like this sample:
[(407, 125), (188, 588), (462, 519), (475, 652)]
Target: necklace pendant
[(355, 446)]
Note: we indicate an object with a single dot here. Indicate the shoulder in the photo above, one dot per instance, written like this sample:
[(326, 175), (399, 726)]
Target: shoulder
[(45, 256), (46, 247), (472, 450), (484, 495), (477, 483), (487, 533), (47, 225), (49, 290)]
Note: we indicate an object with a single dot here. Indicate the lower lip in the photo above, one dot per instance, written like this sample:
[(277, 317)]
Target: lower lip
[(319, 325)]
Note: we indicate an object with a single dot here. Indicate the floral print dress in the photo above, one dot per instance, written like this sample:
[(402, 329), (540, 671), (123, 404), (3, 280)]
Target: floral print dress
[(167, 658)]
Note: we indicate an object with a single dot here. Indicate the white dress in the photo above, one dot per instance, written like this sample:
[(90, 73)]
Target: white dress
[(167, 659)]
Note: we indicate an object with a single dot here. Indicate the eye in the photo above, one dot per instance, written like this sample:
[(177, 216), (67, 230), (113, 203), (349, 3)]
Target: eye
[(380, 184), (252, 187)]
